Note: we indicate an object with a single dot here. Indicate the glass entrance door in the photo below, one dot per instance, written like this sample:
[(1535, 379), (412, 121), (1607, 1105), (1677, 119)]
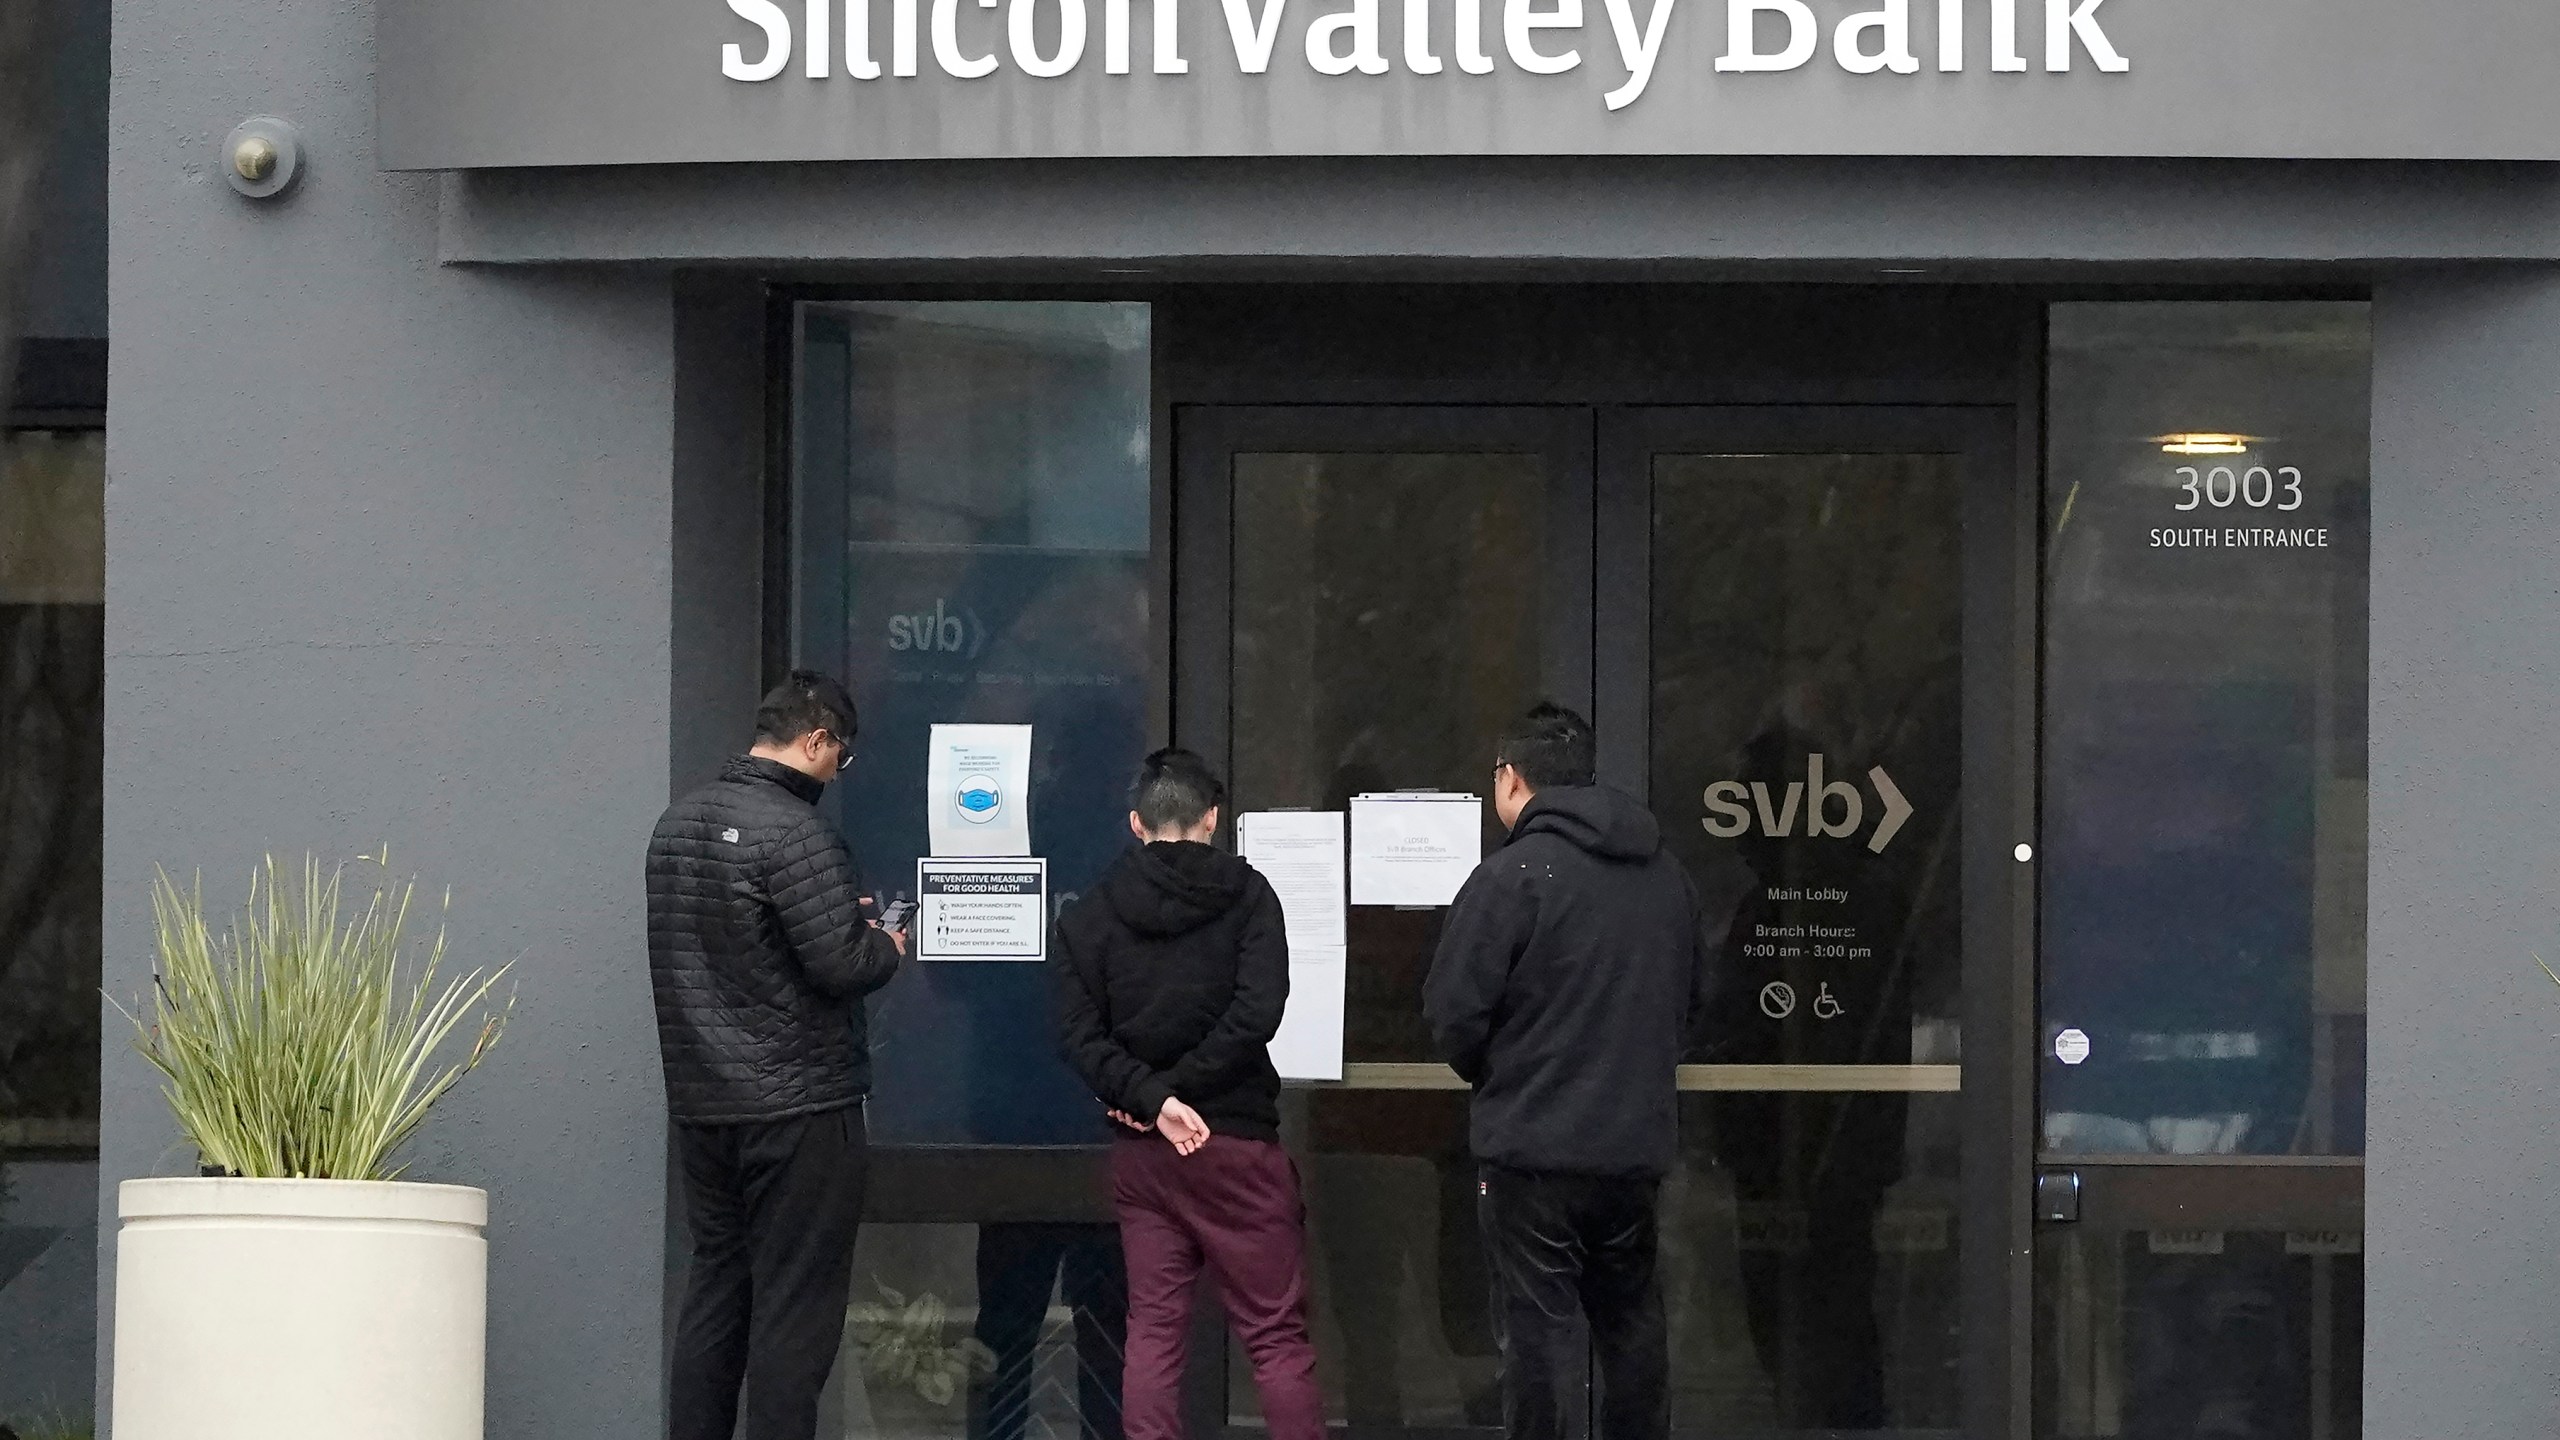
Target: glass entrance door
[(1797, 635), (1367, 598), (2200, 1266), (1809, 666)]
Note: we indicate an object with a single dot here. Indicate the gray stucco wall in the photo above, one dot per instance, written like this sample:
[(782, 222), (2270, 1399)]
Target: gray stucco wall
[(2463, 1184), (390, 563)]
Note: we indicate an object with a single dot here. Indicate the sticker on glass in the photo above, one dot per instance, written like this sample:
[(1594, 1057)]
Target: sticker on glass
[(2071, 1046)]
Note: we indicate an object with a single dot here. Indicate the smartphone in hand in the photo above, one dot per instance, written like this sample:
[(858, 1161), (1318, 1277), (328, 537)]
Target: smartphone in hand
[(895, 916)]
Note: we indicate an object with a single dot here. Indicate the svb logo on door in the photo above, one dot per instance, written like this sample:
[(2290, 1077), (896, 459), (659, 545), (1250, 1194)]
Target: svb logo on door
[(1832, 809)]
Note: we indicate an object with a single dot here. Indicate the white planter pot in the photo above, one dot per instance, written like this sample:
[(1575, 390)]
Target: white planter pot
[(300, 1310)]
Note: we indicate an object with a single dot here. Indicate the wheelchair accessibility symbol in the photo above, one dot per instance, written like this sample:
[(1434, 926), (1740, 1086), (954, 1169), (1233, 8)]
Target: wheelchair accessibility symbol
[(1825, 1007)]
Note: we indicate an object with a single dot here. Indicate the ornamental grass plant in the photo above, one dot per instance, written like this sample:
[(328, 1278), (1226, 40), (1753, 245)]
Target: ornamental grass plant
[(303, 1042)]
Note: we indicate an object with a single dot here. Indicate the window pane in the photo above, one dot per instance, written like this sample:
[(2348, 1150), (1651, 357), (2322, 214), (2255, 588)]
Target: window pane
[(1386, 629), (971, 540), (1807, 639), (2154, 1334), (1806, 623), (2204, 741), (52, 665)]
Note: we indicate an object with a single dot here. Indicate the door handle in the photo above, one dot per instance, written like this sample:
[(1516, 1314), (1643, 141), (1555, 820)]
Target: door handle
[(2058, 1197)]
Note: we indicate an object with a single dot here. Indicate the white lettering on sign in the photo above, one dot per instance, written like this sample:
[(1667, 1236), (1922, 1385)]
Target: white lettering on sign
[(2242, 537), (1021, 34), (2065, 22), (2005, 58), (777, 42), (1518, 20), (1340, 44), (1872, 37), (1892, 25), (1742, 36), (1636, 51), (1253, 38)]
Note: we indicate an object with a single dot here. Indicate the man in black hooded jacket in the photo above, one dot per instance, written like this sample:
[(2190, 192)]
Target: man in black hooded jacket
[(1569, 976), (1171, 979)]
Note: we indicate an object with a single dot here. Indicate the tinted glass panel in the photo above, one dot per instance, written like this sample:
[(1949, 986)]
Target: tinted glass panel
[(2204, 729), (52, 668), (2173, 1334), (1386, 628), (1806, 752), (990, 1332), (971, 537)]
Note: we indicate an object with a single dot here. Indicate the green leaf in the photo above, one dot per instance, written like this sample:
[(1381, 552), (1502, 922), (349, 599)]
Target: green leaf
[(304, 1042)]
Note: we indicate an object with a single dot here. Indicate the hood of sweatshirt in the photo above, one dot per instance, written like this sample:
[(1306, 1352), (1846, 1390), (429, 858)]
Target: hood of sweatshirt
[(1173, 887), (1601, 819)]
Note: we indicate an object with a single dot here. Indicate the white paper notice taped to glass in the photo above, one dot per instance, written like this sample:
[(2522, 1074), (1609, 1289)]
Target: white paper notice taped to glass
[(977, 790), (1309, 1045), (1300, 852), (981, 909), (1414, 849)]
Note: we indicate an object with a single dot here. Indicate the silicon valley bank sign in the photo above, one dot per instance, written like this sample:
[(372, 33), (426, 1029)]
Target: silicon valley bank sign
[(1051, 39), (468, 84)]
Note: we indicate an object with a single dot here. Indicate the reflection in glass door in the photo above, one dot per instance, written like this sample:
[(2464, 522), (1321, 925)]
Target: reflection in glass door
[(1806, 712), (1809, 677), (1770, 619), (2202, 1036), (1400, 586)]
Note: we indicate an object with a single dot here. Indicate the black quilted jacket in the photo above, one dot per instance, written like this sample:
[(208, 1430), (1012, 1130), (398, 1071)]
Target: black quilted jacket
[(759, 951)]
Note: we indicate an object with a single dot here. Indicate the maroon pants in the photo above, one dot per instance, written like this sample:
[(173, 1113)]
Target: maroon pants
[(1233, 1207)]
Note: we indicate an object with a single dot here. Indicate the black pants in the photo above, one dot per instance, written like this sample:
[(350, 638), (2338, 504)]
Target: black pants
[(772, 1208), (1019, 1265), (1572, 1264)]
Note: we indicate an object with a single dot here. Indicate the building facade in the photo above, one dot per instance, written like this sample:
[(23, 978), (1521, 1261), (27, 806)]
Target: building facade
[(2061, 492)]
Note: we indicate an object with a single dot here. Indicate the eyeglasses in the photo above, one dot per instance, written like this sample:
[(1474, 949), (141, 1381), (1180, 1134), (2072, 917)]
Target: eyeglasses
[(844, 751)]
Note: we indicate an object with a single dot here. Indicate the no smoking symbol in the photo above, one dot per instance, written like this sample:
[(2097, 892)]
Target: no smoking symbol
[(1777, 999)]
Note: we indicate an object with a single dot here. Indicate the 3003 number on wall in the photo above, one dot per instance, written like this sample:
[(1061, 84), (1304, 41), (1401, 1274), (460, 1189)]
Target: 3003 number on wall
[(2257, 487)]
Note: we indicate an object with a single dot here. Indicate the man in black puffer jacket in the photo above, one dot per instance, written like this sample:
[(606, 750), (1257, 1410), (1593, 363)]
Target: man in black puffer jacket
[(1569, 976), (1171, 979), (761, 950)]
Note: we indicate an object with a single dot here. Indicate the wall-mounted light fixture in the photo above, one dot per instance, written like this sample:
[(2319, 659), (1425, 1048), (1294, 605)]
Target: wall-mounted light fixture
[(2205, 442), (262, 156)]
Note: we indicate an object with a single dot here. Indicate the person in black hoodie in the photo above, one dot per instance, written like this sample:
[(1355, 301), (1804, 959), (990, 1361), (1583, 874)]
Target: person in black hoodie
[(1571, 971), (1171, 978)]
